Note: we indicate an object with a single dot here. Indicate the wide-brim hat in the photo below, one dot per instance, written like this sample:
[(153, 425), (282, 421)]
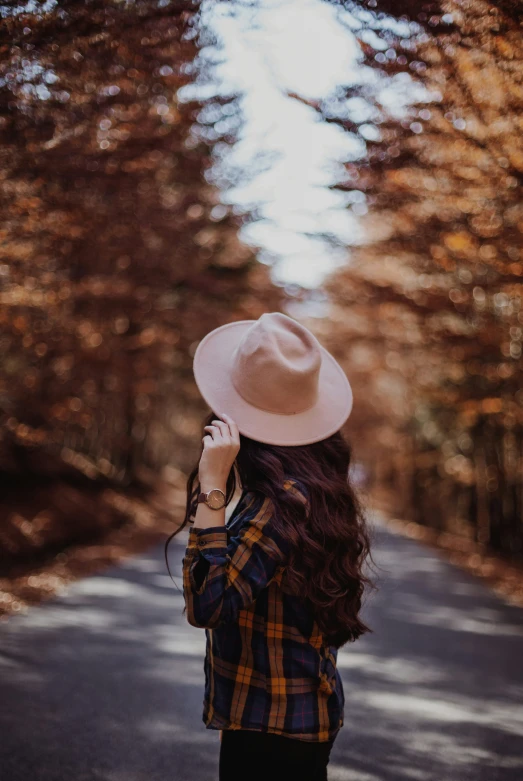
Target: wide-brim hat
[(274, 378)]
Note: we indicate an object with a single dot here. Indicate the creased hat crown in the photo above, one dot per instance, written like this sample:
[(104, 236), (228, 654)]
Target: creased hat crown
[(276, 365)]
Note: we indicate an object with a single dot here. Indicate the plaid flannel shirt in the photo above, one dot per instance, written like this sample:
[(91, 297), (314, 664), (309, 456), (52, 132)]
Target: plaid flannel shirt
[(266, 666)]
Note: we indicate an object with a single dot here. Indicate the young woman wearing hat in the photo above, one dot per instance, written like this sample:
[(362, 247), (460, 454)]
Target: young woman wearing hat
[(277, 586)]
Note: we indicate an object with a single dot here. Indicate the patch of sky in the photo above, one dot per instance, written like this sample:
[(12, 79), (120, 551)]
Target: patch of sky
[(31, 7), (283, 59), (291, 63)]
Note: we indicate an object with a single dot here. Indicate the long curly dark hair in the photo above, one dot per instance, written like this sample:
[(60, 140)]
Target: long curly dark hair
[(329, 544)]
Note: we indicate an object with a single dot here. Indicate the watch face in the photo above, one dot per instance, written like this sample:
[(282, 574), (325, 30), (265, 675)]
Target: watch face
[(215, 499)]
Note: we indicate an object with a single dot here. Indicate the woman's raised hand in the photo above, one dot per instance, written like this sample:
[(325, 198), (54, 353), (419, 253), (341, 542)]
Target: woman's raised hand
[(221, 445)]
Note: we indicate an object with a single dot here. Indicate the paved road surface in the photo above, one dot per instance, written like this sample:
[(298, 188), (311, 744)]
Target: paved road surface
[(105, 683)]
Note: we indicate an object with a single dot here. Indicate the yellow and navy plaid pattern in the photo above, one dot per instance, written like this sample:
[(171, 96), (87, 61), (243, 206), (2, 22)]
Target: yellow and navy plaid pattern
[(266, 665)]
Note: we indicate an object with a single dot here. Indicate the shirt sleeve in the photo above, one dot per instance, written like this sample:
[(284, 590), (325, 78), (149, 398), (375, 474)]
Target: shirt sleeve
[(225, 571)]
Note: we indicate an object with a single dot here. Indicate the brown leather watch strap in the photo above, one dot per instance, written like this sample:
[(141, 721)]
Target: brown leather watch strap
[(204, 497)]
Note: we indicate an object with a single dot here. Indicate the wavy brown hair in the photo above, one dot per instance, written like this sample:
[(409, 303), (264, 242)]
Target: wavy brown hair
[(329, 544)]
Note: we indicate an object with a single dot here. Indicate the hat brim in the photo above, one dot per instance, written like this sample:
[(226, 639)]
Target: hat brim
[(212, 368)]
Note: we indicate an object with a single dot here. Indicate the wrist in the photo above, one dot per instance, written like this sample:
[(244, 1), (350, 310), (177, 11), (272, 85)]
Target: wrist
[(208, 483)]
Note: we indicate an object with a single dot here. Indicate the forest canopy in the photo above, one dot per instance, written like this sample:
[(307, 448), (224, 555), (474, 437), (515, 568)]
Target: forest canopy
[(118, 253)]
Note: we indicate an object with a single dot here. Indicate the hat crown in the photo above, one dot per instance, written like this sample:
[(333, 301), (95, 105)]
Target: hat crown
[(276, 365)]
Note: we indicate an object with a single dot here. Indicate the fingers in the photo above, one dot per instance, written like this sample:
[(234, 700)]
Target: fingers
[(206, 441), (221, 444), (212, 437), (221, 431), (233, 428), (216, 431), (223, 427), (219, 427)]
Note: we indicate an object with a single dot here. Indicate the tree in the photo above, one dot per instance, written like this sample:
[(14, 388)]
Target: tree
[(117, 255), (434, 295)]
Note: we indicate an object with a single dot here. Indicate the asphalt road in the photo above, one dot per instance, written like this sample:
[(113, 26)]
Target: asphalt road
[(105, 683)]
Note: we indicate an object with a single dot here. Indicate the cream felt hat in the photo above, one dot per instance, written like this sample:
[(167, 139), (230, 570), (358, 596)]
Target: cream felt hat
[(273, 377)]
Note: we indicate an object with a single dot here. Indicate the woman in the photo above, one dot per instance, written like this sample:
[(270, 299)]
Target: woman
[(278, 586)]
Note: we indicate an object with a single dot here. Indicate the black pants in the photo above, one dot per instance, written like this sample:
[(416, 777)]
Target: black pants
[(265, 756)]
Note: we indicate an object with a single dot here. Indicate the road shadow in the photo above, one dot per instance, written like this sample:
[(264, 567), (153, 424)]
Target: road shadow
[(106, 681), (436, 692)]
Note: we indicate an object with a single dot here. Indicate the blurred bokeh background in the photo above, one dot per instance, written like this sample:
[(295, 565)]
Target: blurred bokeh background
[(167, 166)]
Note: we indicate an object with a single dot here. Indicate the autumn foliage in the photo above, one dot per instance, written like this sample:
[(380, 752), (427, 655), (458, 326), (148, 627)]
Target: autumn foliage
[(431, 302), (116, 256)]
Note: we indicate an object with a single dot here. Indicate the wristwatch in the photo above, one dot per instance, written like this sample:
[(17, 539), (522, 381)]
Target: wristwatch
[(215, 498)]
